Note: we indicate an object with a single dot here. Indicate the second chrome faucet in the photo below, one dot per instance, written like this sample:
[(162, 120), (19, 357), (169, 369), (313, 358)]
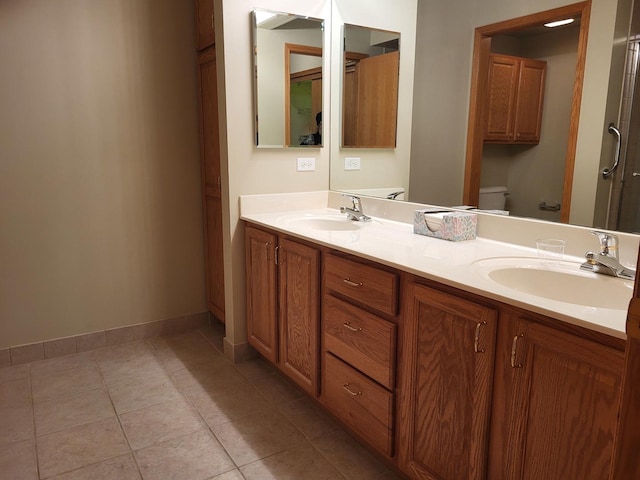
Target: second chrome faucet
[(606, 261)]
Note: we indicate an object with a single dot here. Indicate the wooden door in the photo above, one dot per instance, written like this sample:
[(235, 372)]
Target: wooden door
[(211, 181), (528, 108), (377, 100), (502, 87), (205, 28), (562, 405), (446, 384), (262, 326), (299, 313)]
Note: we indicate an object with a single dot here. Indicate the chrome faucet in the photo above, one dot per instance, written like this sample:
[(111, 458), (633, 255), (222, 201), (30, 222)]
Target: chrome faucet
[(355, 212), (606, 262)]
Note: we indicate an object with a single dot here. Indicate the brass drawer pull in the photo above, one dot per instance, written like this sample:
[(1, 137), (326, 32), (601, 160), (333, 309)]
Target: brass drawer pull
[(476, 343), (351, 283), (348, 326), (349, 391), (514, 350)]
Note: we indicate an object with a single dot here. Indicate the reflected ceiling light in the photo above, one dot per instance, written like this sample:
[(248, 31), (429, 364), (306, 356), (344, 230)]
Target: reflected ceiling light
[(559, 23)]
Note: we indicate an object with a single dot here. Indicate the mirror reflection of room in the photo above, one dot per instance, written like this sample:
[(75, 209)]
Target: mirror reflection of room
[(370, 87)]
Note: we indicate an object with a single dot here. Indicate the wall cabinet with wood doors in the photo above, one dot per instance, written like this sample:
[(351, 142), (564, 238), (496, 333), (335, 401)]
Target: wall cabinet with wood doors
[(205, 28), (515, 91), (283, 304), (359, 332), (211, 181), (556, 403), (448, 350)]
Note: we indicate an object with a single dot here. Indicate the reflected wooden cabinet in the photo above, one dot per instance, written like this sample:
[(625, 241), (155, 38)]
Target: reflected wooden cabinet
[(205, 28), (283, 304), (556, 404), (448, 348), (211, 181), (515, 91)]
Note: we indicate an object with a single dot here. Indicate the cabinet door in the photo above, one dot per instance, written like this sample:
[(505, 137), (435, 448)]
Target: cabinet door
[(209, 125), (214, 256), (562, 408), (299, 305), (446, 377), (262, 328), (205, 29), (528, 113), (501, 98)]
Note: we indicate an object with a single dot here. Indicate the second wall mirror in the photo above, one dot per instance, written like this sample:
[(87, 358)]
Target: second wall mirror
[(370, 87), (288, 60)]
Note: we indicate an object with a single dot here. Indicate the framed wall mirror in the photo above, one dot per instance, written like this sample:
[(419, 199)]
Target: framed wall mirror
[(288, 74), (370, 87)]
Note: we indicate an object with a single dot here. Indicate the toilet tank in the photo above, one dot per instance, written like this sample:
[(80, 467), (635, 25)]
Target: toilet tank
[(493, 198)]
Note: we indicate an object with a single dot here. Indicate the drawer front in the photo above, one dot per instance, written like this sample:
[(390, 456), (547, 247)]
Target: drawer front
[(370, 286), (360, 338), (360, 403)]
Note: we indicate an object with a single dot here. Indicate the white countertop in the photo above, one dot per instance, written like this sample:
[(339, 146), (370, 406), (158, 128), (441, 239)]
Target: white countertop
[(394, 244)]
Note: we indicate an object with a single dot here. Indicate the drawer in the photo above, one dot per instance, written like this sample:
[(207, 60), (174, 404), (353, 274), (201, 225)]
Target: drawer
[(360, 338), (370, 286), (359, 402)]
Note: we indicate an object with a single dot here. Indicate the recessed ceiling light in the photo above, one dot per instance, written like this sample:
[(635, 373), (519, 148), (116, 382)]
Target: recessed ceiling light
[(559, 23)]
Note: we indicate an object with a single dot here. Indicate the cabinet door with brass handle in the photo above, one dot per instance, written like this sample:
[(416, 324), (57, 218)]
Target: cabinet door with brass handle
[(448, 349)]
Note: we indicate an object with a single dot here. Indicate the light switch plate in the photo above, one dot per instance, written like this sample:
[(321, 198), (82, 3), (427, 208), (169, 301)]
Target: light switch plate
[(352, 163), (306, 164)]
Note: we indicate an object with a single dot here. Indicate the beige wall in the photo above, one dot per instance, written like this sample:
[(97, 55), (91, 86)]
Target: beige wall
[(100, 210)]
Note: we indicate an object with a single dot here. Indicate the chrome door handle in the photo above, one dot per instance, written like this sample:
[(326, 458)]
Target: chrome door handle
[(607, 172)]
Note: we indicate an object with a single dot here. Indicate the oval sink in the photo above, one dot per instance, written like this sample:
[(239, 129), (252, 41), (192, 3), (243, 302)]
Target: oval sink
[(331, 224), (559, 281)]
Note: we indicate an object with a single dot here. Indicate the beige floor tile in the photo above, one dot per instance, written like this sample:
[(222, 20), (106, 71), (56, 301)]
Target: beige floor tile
[(254, 368), (228, 403), (66, 383), (134, 394), (309, 418), (122, 353), (55, 415), (388, 475), (18, 461), (77, 447), (131, 362), (16, 424), (276, 389), (119, 468), (54, 366), (15, 393), (257, 436), (232, 475), (179, 357), (207, 376), (160, 422), (11, 374), (349, 457), (301, 462), (197, 456)]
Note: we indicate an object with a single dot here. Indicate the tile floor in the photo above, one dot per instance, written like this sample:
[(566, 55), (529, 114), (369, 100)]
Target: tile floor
[(168, 408)]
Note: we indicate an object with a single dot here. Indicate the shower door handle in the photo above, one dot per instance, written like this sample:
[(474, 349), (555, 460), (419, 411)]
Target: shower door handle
[(607, 172)]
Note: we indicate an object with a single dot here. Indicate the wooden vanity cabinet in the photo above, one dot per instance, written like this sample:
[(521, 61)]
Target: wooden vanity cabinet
[(515, 91), (446, 372), (359, 337), (283, 304), (555, 403)]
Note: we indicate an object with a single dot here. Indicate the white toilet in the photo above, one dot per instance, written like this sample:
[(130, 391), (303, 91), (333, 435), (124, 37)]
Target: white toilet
[(493, 198)]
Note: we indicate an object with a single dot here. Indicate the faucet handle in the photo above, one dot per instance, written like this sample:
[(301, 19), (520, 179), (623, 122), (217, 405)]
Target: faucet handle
[(608, 243), (355, 200)]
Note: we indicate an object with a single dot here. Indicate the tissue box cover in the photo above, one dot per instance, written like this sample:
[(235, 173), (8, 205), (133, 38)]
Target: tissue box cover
[(454, 226)]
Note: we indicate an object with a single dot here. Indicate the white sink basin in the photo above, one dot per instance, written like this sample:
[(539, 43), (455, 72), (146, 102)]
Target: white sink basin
[(559, 281), (331, 222)]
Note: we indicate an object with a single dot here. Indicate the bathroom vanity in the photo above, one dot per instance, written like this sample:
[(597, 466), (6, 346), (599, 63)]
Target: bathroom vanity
[(444, 372)]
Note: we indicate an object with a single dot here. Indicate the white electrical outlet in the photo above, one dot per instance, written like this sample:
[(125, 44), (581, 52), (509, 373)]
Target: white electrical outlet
[(306, 164), (352, 163)]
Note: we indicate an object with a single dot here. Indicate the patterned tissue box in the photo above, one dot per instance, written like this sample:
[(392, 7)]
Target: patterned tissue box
[(453, 226)]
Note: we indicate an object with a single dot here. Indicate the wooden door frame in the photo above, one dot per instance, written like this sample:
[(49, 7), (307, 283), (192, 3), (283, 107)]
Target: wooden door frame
[(475, 132), (292, 48)]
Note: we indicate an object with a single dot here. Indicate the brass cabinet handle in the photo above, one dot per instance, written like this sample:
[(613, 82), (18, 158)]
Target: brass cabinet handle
[(277, 251), (351, 392), (514, 350), (476, 343), (352, 283), (348, 326)]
